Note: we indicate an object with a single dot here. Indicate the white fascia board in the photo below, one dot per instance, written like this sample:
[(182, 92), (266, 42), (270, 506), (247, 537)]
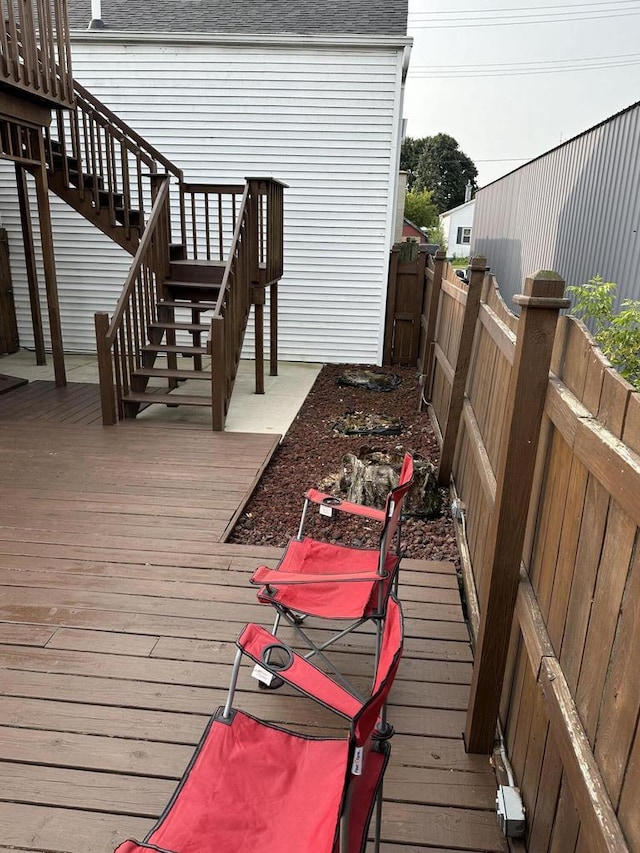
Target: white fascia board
[(244, 39)]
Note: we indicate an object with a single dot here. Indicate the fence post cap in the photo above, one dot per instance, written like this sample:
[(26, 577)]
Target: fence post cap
[(479, 262), (544, 289)]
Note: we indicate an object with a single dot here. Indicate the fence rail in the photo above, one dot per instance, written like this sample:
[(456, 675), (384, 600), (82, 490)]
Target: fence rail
[(549, 537)]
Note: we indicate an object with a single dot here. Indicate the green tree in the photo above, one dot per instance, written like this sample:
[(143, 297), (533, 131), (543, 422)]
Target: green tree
[(409, 157), (420, 209), (617, 334), (436, 163)]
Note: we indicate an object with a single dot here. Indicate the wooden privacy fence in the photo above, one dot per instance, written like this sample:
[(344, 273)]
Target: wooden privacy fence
[(540, 442)]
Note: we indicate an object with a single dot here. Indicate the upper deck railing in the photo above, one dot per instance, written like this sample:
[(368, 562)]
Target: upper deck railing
[(35, 50)]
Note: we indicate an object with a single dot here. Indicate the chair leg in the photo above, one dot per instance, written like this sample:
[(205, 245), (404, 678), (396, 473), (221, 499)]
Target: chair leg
[(377, 829)]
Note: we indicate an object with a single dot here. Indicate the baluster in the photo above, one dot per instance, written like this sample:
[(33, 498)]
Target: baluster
[(111, 181), (140, 188), (194, 230), (14, 52), (29, 49), (96, 171), (4, 47), (126, 188), (206, 225), (220, 229)]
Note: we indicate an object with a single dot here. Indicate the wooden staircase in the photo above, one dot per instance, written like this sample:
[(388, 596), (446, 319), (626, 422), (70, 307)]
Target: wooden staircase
[(187, 299), (192, 289)]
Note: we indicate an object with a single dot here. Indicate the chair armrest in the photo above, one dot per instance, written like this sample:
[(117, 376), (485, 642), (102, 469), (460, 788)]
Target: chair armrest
[(263, 575), (301, 674), (317, 497)]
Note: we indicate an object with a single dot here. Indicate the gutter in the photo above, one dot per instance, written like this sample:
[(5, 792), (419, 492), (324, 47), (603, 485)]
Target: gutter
[(371, 42)]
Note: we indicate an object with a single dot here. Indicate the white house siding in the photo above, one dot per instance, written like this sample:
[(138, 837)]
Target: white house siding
[(322, 118), (575, 209), (450, 221)]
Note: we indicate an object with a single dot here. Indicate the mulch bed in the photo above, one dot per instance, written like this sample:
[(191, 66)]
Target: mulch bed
[(311, 453)]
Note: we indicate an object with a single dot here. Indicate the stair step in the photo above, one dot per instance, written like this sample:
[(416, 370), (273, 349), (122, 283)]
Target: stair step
[(172, 399), (181, 327), (171, 348), (118, 199), (192, 285), (59, 158), (191, 270), (167, 373), (177, 251), (134, 216), (89, 181), (192, 305)]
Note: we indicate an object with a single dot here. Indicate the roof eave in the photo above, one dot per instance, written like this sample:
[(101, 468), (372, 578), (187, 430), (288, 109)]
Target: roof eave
[(361, 40)]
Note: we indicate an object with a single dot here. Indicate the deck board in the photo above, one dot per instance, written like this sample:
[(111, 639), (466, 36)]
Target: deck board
[(119, 607)]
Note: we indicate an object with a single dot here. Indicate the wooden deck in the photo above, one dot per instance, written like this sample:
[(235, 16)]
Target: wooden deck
[(118, 610)]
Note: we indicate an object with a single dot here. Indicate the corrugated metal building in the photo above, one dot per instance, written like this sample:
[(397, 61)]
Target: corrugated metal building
[(310, 93), (575, 209)]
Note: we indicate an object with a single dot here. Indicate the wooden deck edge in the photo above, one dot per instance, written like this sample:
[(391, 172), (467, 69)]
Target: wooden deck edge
[(234, 518)]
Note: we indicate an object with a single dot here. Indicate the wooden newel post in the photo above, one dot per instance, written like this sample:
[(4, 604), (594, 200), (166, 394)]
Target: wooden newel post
[(105, 370), (461, 368), (541, 301), (218, 374)]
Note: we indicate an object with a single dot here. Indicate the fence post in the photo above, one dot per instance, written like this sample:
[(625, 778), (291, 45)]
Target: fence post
[(431, 322), (105, 370), (461, 368), (541, 302)]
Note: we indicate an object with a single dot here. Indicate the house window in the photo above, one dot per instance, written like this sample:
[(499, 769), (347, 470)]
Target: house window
[(464, 236)]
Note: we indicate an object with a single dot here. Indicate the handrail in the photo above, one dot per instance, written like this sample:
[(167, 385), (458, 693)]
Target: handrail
[(157, 213), (120, 343), (128, 131), (96, 153), (250, 265), (35, 49)]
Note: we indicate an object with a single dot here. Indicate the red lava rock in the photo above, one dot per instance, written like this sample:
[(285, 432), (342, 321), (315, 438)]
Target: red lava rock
[(311, 450)]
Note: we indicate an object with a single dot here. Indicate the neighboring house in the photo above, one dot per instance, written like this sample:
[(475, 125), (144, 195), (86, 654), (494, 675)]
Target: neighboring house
[(309, 93), (575, 209), (410, 231), (457, 225)]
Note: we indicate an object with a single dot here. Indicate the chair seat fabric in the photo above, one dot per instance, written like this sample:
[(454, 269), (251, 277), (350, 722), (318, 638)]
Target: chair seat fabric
[(337, 600), (254, 787)]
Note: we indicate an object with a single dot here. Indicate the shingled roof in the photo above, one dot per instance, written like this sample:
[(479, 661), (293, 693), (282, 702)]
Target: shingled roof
[(265, 17)]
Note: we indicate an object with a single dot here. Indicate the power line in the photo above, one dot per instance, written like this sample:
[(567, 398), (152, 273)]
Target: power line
[(452, 74), (560, 9), (567, 17), (533, 62)]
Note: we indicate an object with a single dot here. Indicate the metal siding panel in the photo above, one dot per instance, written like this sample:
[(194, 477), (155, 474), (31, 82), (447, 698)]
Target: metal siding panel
[(322, 120), (575, 209)]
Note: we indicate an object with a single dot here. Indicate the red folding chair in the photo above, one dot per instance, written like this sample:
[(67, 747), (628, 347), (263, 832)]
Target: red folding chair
[(336, 582), (257, 787)]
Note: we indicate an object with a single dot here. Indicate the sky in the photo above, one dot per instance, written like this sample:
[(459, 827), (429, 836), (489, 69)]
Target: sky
[(467, 73)]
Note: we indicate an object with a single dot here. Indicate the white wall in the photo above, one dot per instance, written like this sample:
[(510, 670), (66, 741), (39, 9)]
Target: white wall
[(323, 119), (459, 217)]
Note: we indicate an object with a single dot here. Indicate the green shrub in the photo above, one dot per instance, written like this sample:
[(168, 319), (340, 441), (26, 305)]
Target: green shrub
[(617, 334)]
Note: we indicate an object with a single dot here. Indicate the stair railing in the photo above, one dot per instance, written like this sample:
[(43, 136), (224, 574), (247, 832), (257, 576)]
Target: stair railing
[(120, 341), (208, 217), (254, 260), (35, 49), (101, 156)]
